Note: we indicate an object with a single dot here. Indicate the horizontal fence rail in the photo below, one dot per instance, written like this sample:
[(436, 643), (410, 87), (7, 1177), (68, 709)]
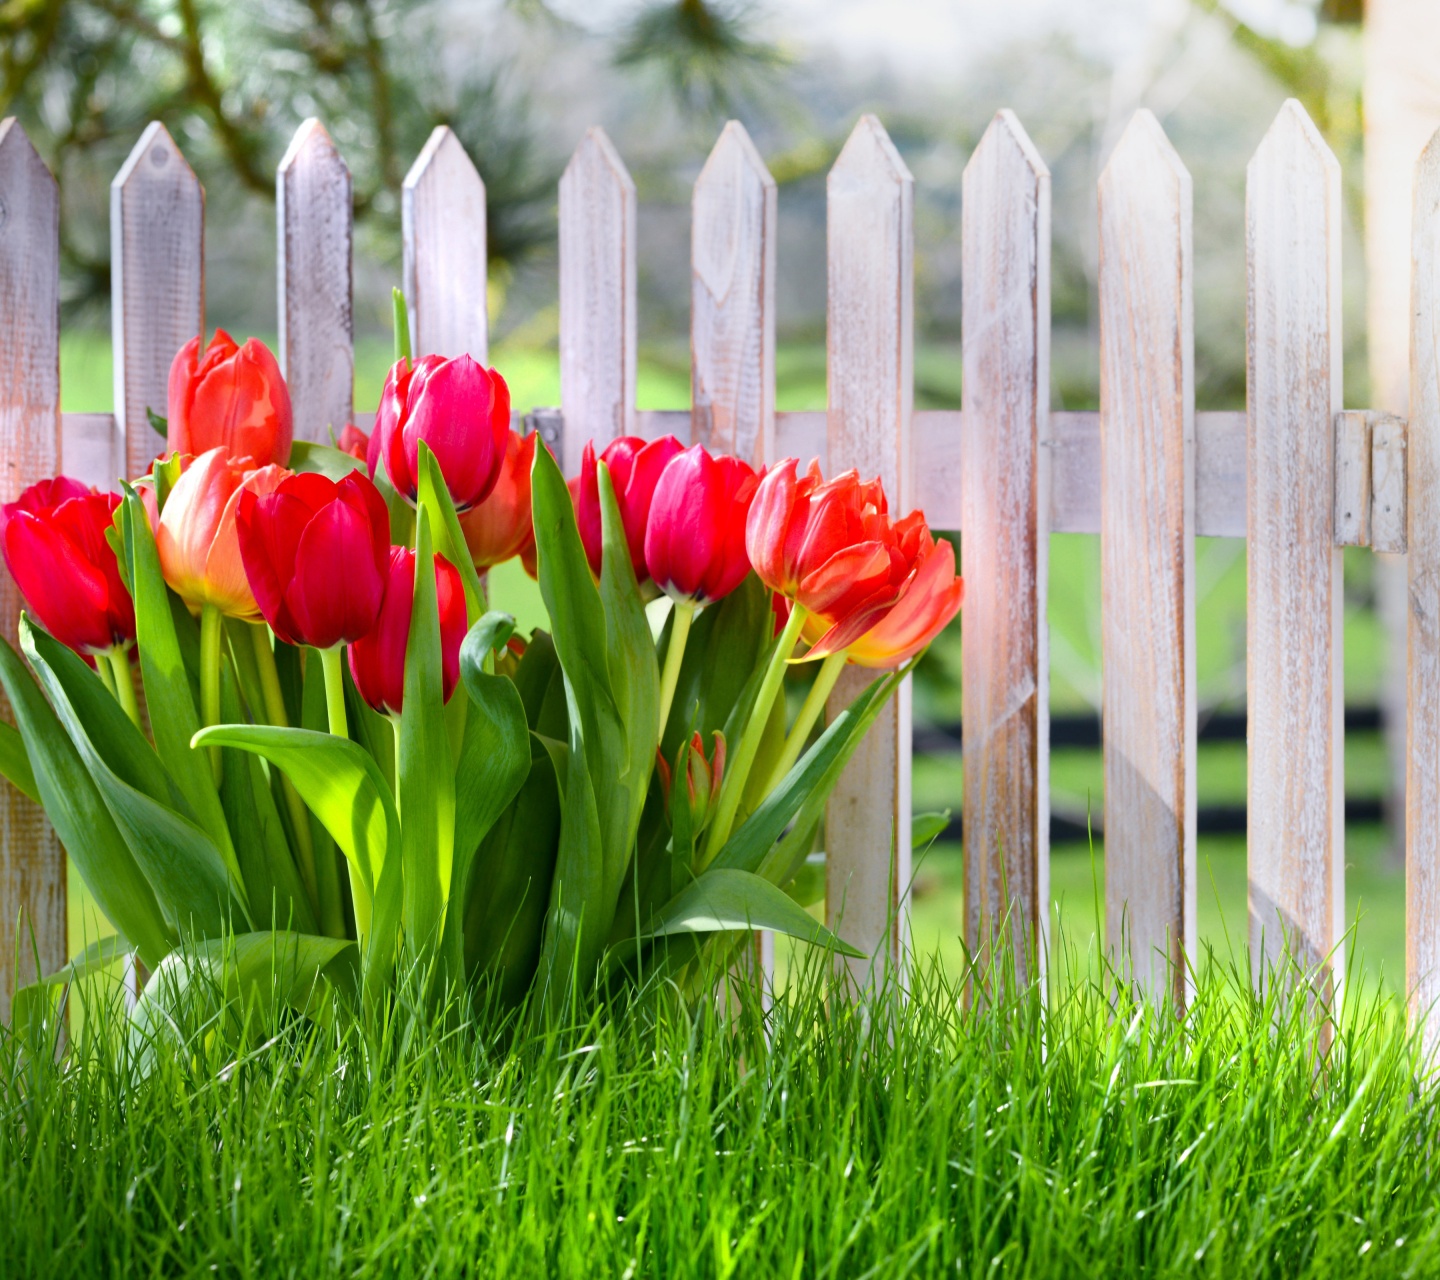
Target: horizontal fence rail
[(1294, 474)]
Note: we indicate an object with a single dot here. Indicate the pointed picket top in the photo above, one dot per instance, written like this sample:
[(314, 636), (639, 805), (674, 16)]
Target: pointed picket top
[(442, 206), (314, 213), (1143, 159), (597, 297), (1296, 818), (157, 274), (732, 318), (1004, 505)]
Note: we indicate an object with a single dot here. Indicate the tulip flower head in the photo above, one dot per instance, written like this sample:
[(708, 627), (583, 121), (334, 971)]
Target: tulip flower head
[(702, 777), (232, 398), (353, 441), (635, 467), (197, 538), (500, 527), (695, 535), (459, 408), (377, 659), (317, 556), (53, 538)]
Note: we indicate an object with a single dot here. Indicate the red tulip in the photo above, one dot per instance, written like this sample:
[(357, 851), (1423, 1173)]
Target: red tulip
[(377, 660), (635, 468), (459, 408), (695, 536), (229, 397), (53, 538), (196, 537), (702, 777), (499, 528), (354, 442), (830, 547), (317, 556)]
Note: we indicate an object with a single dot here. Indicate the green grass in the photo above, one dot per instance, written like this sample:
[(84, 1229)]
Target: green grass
[(1079, 1135)]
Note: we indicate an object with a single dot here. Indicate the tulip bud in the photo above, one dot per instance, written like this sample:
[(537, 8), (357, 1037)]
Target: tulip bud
[(232, 398), (377, 659), (197, 539), (499, 528), (317, 556), (635, 468), (353, 441), (462, 412), (702, 778), (53, 538), (695, 535)]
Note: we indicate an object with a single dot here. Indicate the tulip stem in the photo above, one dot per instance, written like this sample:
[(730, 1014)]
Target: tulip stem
[(815, 701), (210, 635), (684, 614), (331, 662), (119, 662), (276, 714), (732, 788)]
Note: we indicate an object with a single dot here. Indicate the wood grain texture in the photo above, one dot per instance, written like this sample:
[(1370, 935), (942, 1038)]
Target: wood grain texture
[(32, 863), (870, 379), (1004, 510), (92, 449), (157, 281), (732, 300), (1147, 526), (1387, 483), (597, 298), (314, 213), (442, 210), (1294, 651), (1422, 756), (1352, 478)]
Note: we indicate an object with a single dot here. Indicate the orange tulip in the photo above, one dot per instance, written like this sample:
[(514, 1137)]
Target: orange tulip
[(229, 396), (197, 540), (500, 528)]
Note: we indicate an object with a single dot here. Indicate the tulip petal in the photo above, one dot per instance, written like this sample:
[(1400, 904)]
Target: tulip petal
[(65, 592), (336, 593)]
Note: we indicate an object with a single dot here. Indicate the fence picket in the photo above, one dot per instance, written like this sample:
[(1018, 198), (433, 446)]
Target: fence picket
[(442, 208), (1004, 498), (1147, 525), (315, 219), (1294, 670), (870, 379), (1422, 757), (597, 298), (32, 863), (732, 300), (157, 278)]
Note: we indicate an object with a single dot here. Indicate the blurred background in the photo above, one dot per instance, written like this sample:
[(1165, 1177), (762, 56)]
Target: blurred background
[(520, 80)]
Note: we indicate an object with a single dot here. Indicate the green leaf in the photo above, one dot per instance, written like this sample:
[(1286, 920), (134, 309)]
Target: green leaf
[(927, 827), (159, 425), (427, 772), (15, 762), (533, 675), (197, 892), (724, 899), (75, 808), (323, 460), (449, 537), (35, 1003)]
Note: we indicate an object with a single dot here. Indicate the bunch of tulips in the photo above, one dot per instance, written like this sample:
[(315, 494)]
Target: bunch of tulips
[(345, 767)]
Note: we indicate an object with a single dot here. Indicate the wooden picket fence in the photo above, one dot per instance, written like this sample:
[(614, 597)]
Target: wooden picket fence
[(1292, 475)]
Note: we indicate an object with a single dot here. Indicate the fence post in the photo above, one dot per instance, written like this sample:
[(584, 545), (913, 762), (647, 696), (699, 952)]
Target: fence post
[(870, 379), (1147, 550), (32, 863), (1422, 773), (157, 282), (732, 301), (1294, 668), (597, 298), (442, 211), (1004, 497), (314, 214)]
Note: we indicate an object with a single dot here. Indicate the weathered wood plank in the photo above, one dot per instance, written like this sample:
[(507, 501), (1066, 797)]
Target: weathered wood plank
[(442, 210), (314, 213), (1294, 651), (1422, 755), (597, 297), (1004, 506), (1147, 527), (32, 864), (92, 449), (1387, 483), (870, 379), (157, 279), (1352, 478), (732, 300)]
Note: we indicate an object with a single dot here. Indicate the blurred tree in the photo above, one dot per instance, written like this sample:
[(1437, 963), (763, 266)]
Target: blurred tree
[(232, 82)]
